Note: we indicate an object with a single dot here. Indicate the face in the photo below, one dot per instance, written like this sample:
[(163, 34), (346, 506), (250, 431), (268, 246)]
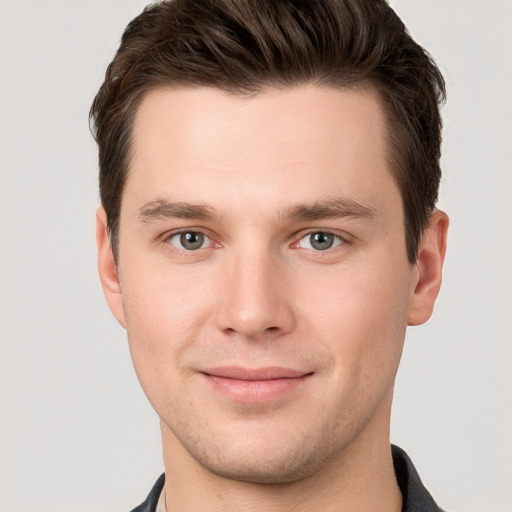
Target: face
[(263, 276)]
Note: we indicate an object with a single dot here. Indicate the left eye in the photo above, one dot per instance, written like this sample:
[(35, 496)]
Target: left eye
[(189, 240), (320, 241)]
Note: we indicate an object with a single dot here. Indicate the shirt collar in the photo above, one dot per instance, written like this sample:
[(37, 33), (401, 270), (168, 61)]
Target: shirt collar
[(415, 497)]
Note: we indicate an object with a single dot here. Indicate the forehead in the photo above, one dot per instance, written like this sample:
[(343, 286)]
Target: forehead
[(280, 143)]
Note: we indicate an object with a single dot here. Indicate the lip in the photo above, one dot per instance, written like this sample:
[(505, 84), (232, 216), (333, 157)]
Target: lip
[(255, 384)]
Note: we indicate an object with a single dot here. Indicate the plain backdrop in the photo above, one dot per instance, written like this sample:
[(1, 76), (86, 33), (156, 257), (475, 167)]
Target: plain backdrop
[(76, 432)]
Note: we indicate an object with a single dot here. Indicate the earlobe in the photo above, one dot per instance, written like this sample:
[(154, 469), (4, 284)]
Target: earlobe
[(107, 267), (429, 266)]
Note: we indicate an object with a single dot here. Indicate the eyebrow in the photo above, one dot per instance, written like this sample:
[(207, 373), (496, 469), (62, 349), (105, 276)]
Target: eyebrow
[(161, 209), (331, 209)]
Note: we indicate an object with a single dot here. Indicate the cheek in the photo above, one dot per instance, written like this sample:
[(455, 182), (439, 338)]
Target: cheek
[(164, 313), (162, 297), (362, 313)]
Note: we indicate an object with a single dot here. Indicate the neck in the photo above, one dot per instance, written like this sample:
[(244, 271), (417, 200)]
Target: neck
[(360, 478)]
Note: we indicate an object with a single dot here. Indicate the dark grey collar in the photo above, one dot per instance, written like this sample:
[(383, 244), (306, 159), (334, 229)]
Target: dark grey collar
[(415, 497)]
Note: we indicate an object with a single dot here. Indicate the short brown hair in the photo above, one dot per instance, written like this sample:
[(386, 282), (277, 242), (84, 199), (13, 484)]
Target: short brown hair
[(244, 46)]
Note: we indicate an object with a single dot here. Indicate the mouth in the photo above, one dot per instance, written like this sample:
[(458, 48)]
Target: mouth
[(255, 384)]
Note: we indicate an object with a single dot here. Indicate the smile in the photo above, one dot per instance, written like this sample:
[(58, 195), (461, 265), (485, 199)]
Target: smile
[(255, 385)]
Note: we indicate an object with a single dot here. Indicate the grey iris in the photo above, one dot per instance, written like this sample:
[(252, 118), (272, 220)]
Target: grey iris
[(321, 241), (192, 240)]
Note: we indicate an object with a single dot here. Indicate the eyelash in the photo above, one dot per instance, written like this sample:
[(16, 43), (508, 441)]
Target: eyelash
[(339, 240)]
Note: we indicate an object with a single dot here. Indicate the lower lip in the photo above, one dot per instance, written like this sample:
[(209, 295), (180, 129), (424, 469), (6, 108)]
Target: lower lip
[(255, 390)]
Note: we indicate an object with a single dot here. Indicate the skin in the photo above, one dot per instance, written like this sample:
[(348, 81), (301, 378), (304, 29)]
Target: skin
[(257, 294)]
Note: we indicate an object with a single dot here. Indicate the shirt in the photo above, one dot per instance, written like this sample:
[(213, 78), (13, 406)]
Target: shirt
[(415, 497)]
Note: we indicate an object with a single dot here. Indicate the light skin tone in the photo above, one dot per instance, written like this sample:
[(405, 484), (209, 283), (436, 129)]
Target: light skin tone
[(264, 284)]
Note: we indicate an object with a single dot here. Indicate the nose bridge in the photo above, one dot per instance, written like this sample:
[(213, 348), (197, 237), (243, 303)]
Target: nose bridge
[(253, 304)]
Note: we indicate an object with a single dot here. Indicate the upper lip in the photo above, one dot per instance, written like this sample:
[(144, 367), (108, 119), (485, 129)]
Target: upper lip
[(267, 373)]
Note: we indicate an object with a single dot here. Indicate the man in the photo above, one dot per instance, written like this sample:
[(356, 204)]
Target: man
[(268, 173)]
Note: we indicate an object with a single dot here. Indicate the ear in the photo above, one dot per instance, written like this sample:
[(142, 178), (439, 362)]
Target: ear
[(107, 267), (429, 266)]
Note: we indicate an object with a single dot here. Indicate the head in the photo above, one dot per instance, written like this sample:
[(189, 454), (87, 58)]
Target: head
[(244, 47), (268, 173)]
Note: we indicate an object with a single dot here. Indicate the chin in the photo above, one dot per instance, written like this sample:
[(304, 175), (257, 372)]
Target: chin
[(265, 459), (281, 469)]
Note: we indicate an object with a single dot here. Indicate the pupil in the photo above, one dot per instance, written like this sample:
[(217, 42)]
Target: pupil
[(192, 240), (322, 241)]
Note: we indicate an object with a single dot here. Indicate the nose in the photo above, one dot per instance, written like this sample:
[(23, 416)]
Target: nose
[(254, 303)]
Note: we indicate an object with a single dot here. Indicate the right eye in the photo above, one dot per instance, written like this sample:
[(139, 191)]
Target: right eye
[(189, 240), (320, 241)]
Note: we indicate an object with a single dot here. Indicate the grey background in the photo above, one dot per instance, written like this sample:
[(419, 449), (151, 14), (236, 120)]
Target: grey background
[(76, 432)]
